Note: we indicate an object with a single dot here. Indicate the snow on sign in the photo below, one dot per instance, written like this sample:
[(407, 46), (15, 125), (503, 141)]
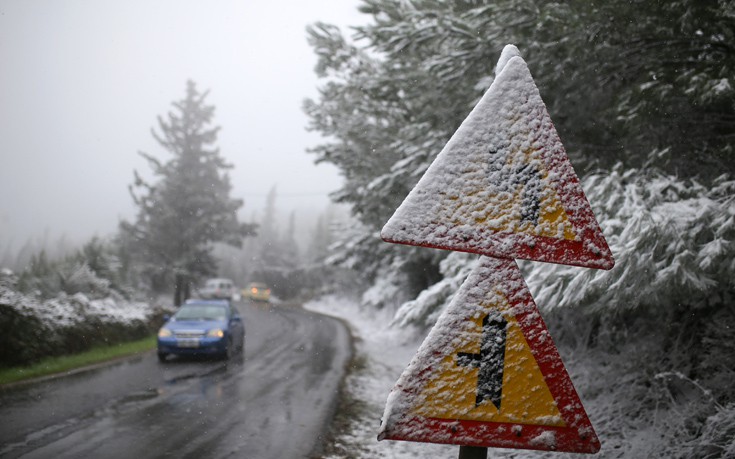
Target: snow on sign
[(503, 185), (489, 375)]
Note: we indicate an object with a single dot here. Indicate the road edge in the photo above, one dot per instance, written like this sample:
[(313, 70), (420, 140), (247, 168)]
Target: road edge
[(75, 371), (330, 428)]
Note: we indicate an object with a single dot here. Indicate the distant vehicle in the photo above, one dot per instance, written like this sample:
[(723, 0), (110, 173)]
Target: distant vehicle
[(257, 291), (218, 288), (202, 327)]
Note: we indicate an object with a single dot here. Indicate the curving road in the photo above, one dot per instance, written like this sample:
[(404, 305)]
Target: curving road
[(272, 402)]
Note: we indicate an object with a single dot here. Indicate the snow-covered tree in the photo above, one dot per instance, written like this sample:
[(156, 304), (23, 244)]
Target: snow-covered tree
[(290, 246), (269, 248), (189, 207), (649, 84), (93, 270), (643, 97)]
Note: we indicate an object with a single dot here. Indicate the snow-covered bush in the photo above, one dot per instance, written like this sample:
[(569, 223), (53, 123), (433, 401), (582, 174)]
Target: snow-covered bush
[(717, 437), (79, 277), (673, 242), (425, 309), (34, 326), (659, 324), (92, 270), (402, 278)]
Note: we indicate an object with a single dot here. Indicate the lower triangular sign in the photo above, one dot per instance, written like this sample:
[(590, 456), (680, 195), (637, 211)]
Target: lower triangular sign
[(489, 375)]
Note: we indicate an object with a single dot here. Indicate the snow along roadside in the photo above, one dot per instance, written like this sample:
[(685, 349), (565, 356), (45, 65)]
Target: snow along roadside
[(381, 354)]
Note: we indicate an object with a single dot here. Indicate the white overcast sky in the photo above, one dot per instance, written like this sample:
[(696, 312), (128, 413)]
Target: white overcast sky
[(82, 82)]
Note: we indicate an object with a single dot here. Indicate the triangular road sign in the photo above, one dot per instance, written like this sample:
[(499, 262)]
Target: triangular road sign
[(503, 185), (489, 375)]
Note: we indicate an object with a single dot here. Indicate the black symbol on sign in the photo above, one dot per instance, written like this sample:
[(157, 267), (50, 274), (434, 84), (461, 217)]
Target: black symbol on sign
[(529, 176), (489, 361), (503, 177)]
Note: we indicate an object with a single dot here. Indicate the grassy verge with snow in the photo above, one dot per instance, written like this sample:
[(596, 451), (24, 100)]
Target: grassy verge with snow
[(37, 326), (67, 363)]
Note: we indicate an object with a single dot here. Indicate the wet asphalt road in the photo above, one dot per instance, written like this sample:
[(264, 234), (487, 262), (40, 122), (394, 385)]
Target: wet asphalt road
[(271, 402)]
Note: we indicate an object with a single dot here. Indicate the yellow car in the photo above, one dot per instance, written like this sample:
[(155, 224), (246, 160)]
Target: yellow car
[(257, 291)]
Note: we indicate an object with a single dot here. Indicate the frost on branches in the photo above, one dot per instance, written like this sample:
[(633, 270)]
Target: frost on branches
[(658, 325), (674, 241)]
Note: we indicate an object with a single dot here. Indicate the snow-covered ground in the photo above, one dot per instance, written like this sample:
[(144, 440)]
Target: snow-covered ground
[(635, 413), (384, 352)]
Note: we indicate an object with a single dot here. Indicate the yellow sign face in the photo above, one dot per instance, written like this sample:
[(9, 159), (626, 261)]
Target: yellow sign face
[(519, 198), (451, 392)]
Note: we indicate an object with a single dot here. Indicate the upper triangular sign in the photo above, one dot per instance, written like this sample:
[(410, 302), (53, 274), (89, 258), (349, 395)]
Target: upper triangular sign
[(489, 375), (503, 185)]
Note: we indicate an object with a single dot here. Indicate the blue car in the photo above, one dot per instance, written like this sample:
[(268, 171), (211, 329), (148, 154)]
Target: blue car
[(202, 327)]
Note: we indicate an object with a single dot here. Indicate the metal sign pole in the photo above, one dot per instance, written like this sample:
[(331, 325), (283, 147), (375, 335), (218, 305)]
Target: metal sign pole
[(472, 452)]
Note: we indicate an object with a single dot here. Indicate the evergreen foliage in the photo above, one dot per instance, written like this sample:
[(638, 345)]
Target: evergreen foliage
[(647, 84), (673, 242), (643, 97), (93, 270), (189, 207)]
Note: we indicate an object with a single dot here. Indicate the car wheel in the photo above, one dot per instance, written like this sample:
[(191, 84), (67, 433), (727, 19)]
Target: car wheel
[(162, 357), (228, 350), (241, 353)]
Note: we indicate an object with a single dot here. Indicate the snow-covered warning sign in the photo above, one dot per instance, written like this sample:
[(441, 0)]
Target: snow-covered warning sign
[(489, 374), (503, 185)]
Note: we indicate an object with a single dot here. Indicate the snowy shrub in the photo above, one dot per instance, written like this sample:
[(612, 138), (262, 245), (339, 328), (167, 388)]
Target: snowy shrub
[(384, 292), (89, 271), (404, 274), (388, 289), (34, 327), (24, 337), (78, 277), (659, 324), (425, 309), (717, 437), (673, 242), (639, 411)]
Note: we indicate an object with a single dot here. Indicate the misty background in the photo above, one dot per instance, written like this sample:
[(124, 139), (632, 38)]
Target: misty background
[(83, 82), (641, 94)]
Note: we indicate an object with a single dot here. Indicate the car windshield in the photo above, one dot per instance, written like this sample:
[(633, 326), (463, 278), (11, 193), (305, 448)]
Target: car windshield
[(201, 312)]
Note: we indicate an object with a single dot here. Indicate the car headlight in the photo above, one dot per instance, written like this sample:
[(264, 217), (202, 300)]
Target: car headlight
[(164, 333), (216, 333)]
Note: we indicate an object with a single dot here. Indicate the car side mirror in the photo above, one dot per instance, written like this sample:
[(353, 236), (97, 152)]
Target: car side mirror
[(236, 318), (166, 317)]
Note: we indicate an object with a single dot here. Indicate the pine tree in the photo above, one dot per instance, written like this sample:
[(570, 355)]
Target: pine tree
[(317, 250), (189, 207), (290, 246)]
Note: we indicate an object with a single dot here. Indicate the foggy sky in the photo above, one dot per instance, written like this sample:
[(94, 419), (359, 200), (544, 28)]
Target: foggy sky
[(82, 82)]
